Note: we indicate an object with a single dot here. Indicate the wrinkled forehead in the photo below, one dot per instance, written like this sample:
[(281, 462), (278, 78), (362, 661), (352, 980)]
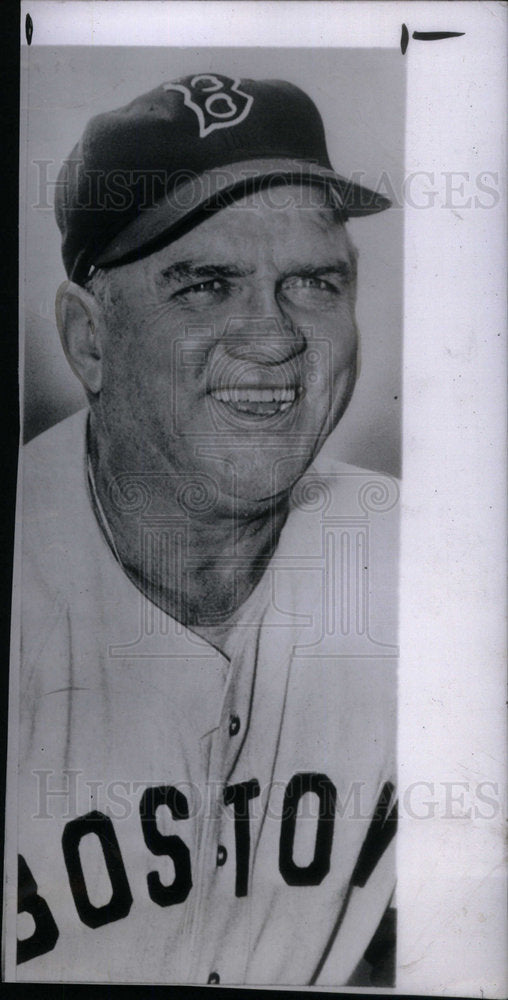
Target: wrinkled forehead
[(278, 200), (265, 221)]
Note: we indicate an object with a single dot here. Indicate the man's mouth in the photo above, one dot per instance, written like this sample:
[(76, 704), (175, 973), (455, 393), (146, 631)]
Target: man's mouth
[(256, 401)]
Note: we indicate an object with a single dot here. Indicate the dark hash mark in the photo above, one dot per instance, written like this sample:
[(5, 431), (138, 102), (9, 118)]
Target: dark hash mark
[(425, 36)]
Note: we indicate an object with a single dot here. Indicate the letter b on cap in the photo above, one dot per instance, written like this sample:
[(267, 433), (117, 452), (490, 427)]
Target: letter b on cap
[(217, 101)]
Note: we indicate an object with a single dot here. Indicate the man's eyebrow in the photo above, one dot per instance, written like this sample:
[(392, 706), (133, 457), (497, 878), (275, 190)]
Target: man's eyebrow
[(188, 270), (344, 268)]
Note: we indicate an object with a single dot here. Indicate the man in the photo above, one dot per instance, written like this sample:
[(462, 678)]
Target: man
[(207, 660)]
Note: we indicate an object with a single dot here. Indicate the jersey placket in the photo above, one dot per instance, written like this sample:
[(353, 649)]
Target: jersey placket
[(209, 921)]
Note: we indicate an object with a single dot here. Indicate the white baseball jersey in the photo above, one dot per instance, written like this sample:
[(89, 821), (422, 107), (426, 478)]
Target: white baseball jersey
[(187, 815)]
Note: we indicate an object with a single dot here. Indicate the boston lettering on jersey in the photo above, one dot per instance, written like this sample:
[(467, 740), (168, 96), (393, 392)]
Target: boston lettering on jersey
[(45, 935)]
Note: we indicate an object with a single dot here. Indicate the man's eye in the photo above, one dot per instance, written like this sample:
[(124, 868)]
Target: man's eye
[(309, 282), (211, 288), (310, 288)]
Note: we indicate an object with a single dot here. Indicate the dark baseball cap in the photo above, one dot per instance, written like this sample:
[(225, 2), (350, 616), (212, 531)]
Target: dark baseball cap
[(144, 173)]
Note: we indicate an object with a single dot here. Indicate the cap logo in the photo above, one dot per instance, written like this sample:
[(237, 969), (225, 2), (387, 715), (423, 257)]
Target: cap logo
[(217, 101)]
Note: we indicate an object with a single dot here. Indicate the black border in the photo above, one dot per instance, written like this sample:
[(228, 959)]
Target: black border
[(9, 247)]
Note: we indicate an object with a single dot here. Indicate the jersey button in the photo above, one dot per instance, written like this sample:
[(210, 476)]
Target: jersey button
[(222, 856), (214, 978), (234, 725)]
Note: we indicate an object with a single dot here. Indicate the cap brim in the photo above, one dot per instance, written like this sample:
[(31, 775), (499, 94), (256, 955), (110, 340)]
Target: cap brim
[(200, 193)]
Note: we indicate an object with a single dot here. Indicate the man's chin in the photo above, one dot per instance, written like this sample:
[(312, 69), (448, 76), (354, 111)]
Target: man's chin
[(269, 488)]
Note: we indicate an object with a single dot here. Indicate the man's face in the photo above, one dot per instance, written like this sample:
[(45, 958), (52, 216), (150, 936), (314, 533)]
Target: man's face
[(232, 351)]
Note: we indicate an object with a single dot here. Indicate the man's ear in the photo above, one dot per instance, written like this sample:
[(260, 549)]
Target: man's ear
[(81, 327)]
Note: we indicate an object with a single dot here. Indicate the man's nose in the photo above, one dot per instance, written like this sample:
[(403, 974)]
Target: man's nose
[(263, 339), (264, 331)]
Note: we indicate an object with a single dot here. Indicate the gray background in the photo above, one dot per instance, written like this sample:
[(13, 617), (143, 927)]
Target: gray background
[(361, 96)]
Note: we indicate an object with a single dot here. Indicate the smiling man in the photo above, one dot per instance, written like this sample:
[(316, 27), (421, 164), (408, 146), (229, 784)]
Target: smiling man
[(207, 669)]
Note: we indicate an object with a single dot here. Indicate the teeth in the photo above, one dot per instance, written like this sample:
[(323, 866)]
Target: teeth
[(253, 395)]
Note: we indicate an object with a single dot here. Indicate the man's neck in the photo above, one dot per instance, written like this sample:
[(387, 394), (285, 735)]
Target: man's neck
[(199, 569)]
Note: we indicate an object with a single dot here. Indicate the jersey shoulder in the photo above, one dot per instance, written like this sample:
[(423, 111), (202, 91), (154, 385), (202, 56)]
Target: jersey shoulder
[(336, 495), (52, 465), (53, 520)]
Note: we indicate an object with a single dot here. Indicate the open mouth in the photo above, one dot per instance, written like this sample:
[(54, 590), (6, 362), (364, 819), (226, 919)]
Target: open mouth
[(256, 401)]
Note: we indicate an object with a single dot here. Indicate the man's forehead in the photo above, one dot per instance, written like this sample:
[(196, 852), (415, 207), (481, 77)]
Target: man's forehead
[(258, 225)]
